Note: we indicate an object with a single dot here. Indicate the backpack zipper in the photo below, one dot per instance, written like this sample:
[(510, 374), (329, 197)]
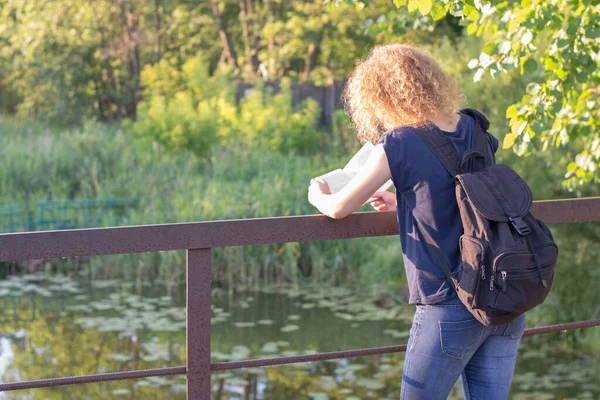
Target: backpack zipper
[(524, 274), (520, 275)]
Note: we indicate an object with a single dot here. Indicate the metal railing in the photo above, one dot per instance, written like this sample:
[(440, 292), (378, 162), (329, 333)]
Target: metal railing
[(199, 238)]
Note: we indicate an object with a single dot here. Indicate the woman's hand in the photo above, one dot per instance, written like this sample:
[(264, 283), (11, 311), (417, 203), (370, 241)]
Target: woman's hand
[(354, 195), (386, 201)]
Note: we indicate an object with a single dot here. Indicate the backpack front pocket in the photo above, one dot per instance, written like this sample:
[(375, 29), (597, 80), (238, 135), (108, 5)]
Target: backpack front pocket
[(518, 281)]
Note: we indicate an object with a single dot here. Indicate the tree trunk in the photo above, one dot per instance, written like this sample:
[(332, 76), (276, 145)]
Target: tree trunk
[(130, 24), (245, 33), (227, 44), (157, 29), (99, 100), (271, 63), (311, 58), (256, 28), (249, 33), (109, 69)]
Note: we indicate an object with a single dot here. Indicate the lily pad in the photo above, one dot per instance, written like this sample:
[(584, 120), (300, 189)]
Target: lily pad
[(244, 324), (289, 328)]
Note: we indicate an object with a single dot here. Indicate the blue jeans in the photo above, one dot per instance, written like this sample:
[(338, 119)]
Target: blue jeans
[(446, 342)]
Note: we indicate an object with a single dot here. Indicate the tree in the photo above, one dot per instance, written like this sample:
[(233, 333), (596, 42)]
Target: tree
[(554, 43)]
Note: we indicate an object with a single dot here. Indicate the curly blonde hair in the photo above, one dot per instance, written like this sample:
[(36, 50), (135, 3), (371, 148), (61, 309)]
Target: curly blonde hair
[(398, 85)]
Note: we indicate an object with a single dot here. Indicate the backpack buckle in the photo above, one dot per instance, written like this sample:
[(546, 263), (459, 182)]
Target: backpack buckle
[(520, 226)]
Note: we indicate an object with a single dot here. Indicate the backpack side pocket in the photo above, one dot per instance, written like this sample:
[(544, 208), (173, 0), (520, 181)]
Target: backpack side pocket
[(471, 271)]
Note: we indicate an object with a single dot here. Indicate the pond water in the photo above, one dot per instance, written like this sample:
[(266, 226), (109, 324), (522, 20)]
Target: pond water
[(57, 326)]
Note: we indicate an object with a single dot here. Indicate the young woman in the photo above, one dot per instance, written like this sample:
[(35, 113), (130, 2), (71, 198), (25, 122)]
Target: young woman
[(396, 89)]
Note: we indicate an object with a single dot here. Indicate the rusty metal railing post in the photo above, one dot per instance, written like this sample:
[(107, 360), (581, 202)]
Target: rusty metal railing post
[(198, 298)]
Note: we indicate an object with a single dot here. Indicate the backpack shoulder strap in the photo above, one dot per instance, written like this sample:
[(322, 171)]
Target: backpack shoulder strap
[(441, 146), (479, 117), (482, 124)]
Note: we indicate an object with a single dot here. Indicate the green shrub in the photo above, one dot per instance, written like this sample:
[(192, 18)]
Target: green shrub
[(185, 112), (193, 111), (268, 121)]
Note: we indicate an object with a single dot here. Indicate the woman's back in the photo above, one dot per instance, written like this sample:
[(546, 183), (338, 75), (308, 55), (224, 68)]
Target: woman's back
[(425, 191)]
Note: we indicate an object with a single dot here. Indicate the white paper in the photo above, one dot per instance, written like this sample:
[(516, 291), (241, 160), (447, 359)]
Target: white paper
[(336, 179), (360, 159), (339, 178)]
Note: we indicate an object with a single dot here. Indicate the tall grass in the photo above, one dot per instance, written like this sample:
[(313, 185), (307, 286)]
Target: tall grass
[(98, 161)]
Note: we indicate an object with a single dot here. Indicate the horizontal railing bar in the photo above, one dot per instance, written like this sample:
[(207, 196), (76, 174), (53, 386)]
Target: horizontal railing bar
[(264, 362), (75, 380), (569, 326), (267, 362), (194, 235), (254, 231), (333, 355), (567, 211)]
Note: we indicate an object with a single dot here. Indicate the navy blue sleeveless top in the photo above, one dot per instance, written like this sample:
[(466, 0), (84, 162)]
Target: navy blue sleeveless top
[(425, 191)]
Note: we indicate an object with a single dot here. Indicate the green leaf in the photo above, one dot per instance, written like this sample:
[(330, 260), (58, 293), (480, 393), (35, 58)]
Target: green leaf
[(512, 111), (471, 13), (517, 127), (438, 11), (491, 49), (530, 66), (584, 59), (472, 28), (582, 77), (572, 166), (550, 64), (502, 6), (509, 141), (413, 5), (425, 7), (590, 68), (573, 27), (399, 3), (562, 74), (592, 33)]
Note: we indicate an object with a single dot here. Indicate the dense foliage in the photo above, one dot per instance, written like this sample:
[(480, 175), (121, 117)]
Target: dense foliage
[(556, 45), (103, 46)]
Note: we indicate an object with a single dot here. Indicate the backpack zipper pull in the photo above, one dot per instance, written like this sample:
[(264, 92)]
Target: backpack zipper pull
[(503, 281), (492, 279), (482, 272)]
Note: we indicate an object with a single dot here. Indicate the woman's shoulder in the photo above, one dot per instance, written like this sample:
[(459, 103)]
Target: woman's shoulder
[(400, 133)]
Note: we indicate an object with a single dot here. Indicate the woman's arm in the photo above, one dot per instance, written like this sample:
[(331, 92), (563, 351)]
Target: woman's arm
[(343, 203)]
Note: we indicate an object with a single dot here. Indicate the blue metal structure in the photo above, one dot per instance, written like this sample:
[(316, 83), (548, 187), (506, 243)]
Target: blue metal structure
[(68, 214)]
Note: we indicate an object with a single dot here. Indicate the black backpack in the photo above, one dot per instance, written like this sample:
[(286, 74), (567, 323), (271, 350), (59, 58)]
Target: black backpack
[(507, 255)]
